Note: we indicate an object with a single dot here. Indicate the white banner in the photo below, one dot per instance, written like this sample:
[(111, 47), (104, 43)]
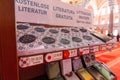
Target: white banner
[(83, 17), (33, 11), (62, 14), (52, 12)]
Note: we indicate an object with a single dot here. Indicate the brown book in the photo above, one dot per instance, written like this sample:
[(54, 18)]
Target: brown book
[(53, 70)]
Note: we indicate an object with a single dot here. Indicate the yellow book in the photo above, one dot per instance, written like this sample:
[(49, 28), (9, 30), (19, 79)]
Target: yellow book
[(83, 74)]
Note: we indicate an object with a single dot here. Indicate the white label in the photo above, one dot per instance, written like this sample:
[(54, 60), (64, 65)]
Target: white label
[(34, 60), (103, 47), (63, 14), (53, 56), (94, 48), (109, 46), (85, 50), (73, 53), (57, 56), (30, 61), (115, 45)]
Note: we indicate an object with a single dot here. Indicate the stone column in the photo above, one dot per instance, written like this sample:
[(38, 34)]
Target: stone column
[(111, 23)]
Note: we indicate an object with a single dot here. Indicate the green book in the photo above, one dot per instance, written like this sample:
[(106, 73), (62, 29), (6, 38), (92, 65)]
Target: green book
[(53, 71), (101, 68)]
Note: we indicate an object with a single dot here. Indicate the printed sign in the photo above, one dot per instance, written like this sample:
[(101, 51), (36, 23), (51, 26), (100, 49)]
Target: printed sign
[(84, 50), (49, 12), (94, 48), (33, 11), (109, 46), (30, 61), (53, 56), (103, 47), (83, 17), (63, 14), (115, 45), (73, 53), (57, 56), (34, 60)]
